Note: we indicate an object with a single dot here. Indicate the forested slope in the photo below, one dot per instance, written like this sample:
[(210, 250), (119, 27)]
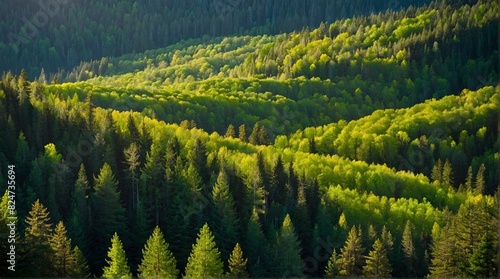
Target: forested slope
[(363, 147), (59, 34)]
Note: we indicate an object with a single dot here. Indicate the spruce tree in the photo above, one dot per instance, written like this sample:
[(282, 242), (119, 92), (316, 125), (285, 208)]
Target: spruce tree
[(479, 185), (408, 250), (230, 131), (351, 255), (157, 260), (255, 246), (79, 219), (38, 257), (377, 262), (204, 260), (63, 258), (332, 268), (224, 220), (237, 264), (117, 266), (484, 260), (242, 133), (81, 268), (287, 261)]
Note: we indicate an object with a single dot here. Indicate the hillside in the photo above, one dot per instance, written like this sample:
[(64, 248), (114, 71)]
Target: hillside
[(366, 146)]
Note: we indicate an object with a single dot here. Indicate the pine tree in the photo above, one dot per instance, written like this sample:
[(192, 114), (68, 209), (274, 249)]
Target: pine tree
[(38, 251), (332, 268), (242, 133), (81, 268), (447, 177), (204, 260), (351, 255), (254, 136), (224, 219), (108, 215), (483, 261), (287, 261), (255, 246), (237, 264), (63, 258), (230, 131), (408, 250), (157, 260), (445, 254), (79, 220), (437, 171), (479, 185), (117, 266), (469, 180), (377, 262)]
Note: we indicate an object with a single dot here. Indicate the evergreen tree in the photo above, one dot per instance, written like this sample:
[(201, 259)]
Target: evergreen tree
[(230, 131), (287, 261), (377, 262), (79, 220), (63, 257), (479, 185), (157, 260), (437, 171), (483, 261), (204, 260), (255, 246), (351, 255), (38, 251), (108, 215), (224, 219), (237, 264), (242, 133), (408, 250), (446, 257), (332, 268), (81, 268), (447, 176), (469, 180), (117, 266)]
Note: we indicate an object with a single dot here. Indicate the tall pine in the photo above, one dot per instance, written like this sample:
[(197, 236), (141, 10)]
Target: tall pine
[(237, 264), (117, 266), (157, 260), (287, 261), (204, 261)]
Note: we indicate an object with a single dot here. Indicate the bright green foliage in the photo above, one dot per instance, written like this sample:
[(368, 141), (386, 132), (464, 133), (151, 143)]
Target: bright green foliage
[(204, 261), (351, 255), (377, 262), (237, 264), (287, 261), (157, 260), (117, 266)]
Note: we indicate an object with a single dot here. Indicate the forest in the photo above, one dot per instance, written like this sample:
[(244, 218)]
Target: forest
[(264, 140)]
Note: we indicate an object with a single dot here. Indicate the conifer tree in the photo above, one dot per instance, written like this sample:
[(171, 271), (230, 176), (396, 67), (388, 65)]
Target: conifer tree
[(447, 176), (237, 264), (437, 171), (63, 258), (469, 180), (224, 219), (117, 266), (254, 136), (377, 262), (204, 261), (408, 249), (351, 255), (79, 219), (108, 215), (255, 246), (332, 268), (230, 131), (287, 261), (445, 254), (157, 260), (479, 184), (38, 251), (80, 268), (483, 261), (242, 133)]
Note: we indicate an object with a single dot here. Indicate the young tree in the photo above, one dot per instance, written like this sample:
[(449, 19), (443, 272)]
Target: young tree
[(377, 262), (157, 260), (287, 261), (230, 131), (242, 133), (351, 255), (237, 264), (204, 260), (80, 268), (332, 268), (117, 266)]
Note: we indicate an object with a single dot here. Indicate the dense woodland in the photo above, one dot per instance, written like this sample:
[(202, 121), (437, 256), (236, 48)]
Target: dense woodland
[(363, 146)]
